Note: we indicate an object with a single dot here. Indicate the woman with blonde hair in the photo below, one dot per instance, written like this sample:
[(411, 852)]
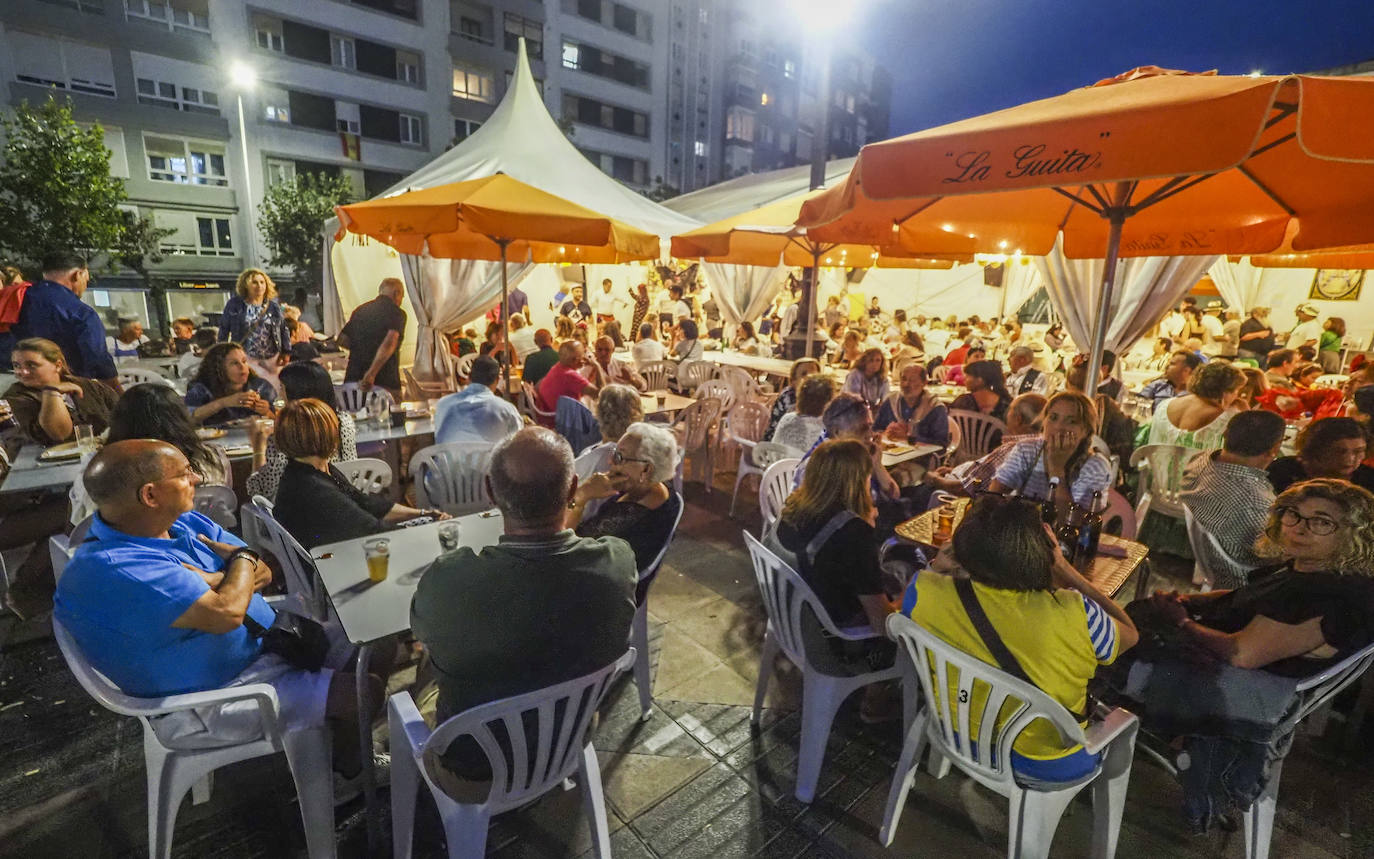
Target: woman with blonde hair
[(826, 532), (868, 379), (253, 317), (1198, 419), (1061, 455), (48, 400)]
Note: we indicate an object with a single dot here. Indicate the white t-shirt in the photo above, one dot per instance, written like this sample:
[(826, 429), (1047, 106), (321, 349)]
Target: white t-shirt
[(1303, 332), (647, 350), (604, 303), (523, 342)]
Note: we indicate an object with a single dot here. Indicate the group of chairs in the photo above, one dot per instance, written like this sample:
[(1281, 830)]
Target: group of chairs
[(977, 733)]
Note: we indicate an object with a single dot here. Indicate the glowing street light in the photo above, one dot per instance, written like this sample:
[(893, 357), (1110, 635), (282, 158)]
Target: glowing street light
[(244, 78)]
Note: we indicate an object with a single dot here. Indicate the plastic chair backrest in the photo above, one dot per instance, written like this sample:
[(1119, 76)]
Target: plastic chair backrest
[(463, 366), (219, 504), (1118, 508), (720, 390), (367, 475), (298, 568), (529, 402), (739, 381), (986, 755), (1161, 470), (774, 489), (593, 459), (97, 685), (976, 432), (1320, 688), (956, 440), (452, 477), (652, 570), (1222, 571), (657, 374), (560, 717), (698, 418), (424, 390), (785, 595), (693, 373), (61, 547), (749, 420), (350, 398), (130, 376), (766, 453)]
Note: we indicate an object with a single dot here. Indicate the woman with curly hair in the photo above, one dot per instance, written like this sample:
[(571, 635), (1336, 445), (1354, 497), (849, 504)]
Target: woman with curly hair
[(225, 388), (868, 379), (1198, 418), (253, 317)]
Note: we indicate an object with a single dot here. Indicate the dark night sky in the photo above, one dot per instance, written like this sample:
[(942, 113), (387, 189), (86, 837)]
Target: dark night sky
[(952, 59)]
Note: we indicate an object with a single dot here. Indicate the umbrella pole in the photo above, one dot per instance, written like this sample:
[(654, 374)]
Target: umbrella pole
[(1116, 216), (813, 296), (505, 321)]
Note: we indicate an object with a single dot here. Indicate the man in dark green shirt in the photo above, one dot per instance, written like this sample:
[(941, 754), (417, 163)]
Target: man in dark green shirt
[(541, 607), (537, 364)]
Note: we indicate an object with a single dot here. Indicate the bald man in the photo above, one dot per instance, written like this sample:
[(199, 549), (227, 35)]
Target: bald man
[(163, 601), (546, 605), (373, 339), (565, 378), (613, 370)]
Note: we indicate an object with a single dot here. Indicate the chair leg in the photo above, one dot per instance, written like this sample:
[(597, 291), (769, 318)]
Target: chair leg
[(1259, 817), (739, 478), (770, 652), (169, 778), (821, 697), (902, 778), (639, 640), (594, 803), (310, 756), (465, 828), (1034, 818), (1109, 793), (936, 763), (405, 785), (201, 790)]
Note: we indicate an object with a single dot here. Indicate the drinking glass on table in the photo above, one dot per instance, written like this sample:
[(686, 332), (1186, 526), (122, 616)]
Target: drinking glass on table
[(85, 437), (379, 410), (378, 554), (448, 536)]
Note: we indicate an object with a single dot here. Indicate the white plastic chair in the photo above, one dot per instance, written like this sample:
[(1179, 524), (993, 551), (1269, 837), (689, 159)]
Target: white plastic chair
[(985, 756), (452, 477), (350, 398), (130, 376), (690, 374), (367, 475), (786, 597), (172, 772), (563, 715), (1161, 472), (463, 366), (956, 440), (774, 488), (657, 374), (61, 547), (219, 504), (639, 628), (740, 381), (720, 390), (758, 459), (590, 461), (976, 434), (302, 580), (695, 422), (529, 405), (1212, 567)]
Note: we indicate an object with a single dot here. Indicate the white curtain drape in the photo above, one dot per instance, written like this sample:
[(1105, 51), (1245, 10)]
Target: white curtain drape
[(1019, 282), (1238, 283), (743, 291), (446, 294), (1146, 287)]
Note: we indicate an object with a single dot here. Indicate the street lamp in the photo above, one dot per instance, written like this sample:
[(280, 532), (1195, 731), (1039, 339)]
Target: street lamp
[(244, 78)]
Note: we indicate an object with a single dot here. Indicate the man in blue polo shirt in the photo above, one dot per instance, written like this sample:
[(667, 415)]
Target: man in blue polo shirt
[(157, 597), (53, 310)]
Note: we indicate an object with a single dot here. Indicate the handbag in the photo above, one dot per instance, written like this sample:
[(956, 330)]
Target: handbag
[(301, 641)]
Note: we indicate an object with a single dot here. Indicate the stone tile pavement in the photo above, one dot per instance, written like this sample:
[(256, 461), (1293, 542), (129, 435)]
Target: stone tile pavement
[(693, 781)]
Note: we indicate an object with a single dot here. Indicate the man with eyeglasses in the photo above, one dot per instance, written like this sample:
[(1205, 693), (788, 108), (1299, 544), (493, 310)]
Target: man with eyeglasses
[(53, 310), (1229, 494), (848, 417)]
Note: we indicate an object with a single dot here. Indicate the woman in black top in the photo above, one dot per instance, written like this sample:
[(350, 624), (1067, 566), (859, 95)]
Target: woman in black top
[(315, 502), (987, 390), (1330, 447), (826, 531), (643, 510)]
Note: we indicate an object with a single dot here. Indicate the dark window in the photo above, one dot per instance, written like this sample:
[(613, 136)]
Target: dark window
[(312, 111), (380, 123), (624, 19), (377, 181), (306, 43), (315, 168), (589, 9), (404, 8), (533, 31), (375, 59)]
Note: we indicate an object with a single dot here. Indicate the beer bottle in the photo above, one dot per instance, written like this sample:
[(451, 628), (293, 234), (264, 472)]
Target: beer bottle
[(1068, 534), (1094, 525), (1047, 510)]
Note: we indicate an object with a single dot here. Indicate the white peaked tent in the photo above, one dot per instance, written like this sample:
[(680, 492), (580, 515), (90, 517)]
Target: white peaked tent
[(521, 140)]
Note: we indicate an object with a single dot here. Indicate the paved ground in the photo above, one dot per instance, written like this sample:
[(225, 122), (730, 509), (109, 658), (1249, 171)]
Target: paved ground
[(693, 781)]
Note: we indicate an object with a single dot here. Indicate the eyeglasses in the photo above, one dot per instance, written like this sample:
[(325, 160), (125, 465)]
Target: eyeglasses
[(619, 458), (1319, 525)]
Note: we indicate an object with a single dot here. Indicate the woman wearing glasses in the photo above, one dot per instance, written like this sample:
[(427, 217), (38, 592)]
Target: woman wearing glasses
[(642, 509), (1312, 608)]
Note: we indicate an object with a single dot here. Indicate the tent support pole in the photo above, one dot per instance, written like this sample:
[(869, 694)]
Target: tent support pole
[(813, 297), (1116, 216), (505, 321)]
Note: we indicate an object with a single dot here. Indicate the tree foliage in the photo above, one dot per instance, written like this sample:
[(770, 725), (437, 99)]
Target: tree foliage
[(291, 217), (56, 191)]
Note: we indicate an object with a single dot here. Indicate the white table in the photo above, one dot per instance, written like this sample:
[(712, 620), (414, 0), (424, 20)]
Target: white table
[(672, 403), (900, 453), (370, 611), (757, 363)]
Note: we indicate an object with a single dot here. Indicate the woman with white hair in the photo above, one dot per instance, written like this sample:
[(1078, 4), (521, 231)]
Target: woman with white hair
[(642, 508)]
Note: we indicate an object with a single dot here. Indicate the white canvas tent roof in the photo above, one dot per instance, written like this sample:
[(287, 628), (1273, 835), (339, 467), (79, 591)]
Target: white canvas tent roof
[(521, 140), (733, 196)]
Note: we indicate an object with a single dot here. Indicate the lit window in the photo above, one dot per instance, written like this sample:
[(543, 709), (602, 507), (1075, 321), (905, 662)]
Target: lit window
[(185, 162), (763, 99), (572, 56), (700, 148)]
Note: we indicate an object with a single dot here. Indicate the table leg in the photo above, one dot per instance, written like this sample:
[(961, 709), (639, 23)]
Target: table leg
[(1142, 584), (374, 819)]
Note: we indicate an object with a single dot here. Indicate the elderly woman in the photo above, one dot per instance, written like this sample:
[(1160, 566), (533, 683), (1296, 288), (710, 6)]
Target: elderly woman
[(1198, 419), (48, 401), (787, 400), (1061, 457), (800, 429), (225, 388), (868, 379), (639, 507), (315, 502)]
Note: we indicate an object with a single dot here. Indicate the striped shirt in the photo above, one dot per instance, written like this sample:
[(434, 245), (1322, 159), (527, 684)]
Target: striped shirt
[(1024, 470)]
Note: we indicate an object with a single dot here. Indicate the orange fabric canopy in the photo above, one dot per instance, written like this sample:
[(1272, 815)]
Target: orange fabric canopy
[(1194, 163), (768, 236), (465, 220)]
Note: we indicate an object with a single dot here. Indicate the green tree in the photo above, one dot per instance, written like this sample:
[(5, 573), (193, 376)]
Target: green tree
[(140, 246), (291, 217), (56, 191), (661, 191)]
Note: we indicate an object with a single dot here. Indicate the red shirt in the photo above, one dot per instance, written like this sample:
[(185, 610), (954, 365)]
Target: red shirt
[(561, 381), (957, 356)]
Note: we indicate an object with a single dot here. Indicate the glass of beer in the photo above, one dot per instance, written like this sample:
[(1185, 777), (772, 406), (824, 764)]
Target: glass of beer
[(378, 553), (944, 524)]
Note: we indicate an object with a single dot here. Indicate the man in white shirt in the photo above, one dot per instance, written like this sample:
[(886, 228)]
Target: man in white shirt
[(477, 412), (1308, 331), (522, 337), (1024, 378), (615, 370), (1211, 321), (605, 303), (648, 348)]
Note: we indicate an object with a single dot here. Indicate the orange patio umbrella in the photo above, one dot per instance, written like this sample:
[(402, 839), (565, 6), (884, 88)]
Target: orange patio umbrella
[(769, 236), (1152, 162), (494, 218)]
